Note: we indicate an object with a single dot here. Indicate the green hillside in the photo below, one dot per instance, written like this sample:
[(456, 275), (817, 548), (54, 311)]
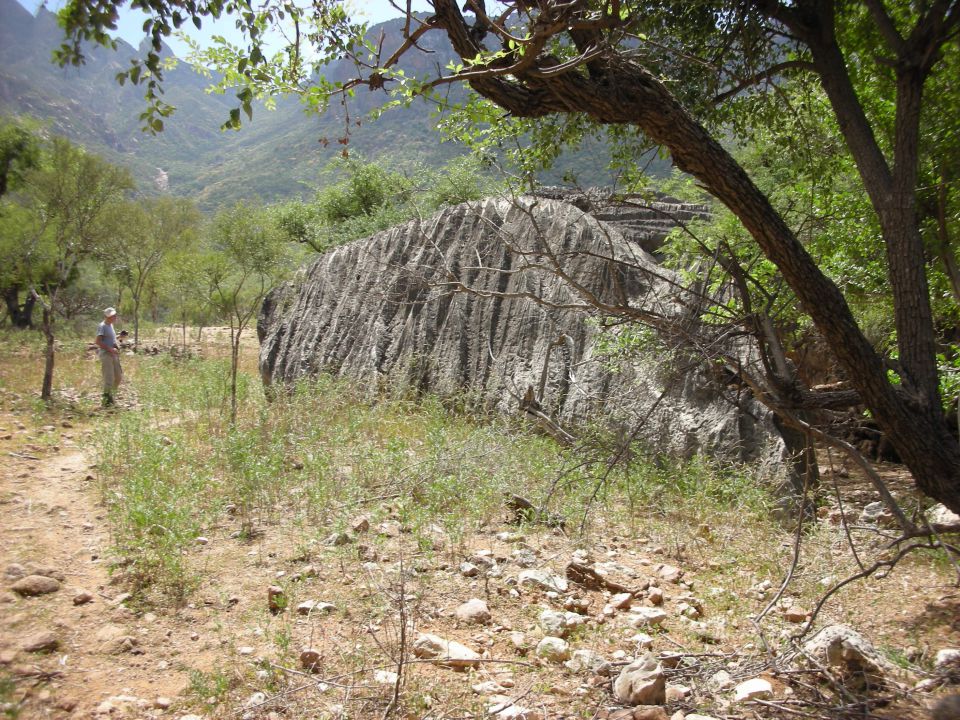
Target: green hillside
[(278, 155)]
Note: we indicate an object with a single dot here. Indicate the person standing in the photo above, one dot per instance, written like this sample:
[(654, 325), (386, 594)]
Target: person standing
[(109, 355)]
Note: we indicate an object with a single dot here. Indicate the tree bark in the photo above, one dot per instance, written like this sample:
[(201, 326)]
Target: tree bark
[(21, 315), (46, 391)]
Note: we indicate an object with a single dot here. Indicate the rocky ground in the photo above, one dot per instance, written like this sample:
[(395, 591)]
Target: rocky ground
[(368, 618)]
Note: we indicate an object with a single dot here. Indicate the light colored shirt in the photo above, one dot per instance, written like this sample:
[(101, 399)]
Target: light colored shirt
[(105, 330)]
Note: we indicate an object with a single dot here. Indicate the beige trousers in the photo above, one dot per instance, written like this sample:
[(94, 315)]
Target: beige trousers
[(111, 371)]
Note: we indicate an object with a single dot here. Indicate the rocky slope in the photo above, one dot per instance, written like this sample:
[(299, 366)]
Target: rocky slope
[(500, 300)]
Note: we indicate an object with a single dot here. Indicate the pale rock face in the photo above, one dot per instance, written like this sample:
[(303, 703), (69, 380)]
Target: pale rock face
[(646, 616), (391, 307), (542, 580), (755, 689), (553, 649), (842, 647), (587, 661), (642, 682), (474, 611), (444, 652)]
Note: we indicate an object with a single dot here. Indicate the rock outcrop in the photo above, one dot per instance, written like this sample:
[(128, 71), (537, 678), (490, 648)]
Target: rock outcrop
[(504, 300)]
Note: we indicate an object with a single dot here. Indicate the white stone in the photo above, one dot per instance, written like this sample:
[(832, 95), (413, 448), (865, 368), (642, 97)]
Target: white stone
[(947, 658), (642, 682), (543, 580), (940, 514), (755, 689), (553, 649), (444, 652), (385, 677), (474, 611), (584, 661), (643, 616)]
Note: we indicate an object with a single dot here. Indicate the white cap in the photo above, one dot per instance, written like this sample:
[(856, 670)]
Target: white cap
[(109, 312)]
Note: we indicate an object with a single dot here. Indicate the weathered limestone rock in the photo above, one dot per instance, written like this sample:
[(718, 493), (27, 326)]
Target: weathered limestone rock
[(444, 652), (393, 307), (753, 689), (474, 611), (553, 649), (33, 585), (843, 648), (642, 682)]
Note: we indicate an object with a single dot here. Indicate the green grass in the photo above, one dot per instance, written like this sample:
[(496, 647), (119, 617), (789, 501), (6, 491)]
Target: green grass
[(327, 451)]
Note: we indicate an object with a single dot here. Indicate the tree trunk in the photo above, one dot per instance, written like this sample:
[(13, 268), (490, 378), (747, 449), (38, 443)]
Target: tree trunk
[(619, 91), (136, 321), (21, 316), (234, 362), (46, 391)]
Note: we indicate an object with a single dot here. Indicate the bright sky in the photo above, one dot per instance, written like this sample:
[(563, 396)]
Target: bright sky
[(130, 27)]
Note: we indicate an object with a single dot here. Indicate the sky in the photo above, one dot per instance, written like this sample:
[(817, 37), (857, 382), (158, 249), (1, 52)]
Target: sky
[(130, 27)]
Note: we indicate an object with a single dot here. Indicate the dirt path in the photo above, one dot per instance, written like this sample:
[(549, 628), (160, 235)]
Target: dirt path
[(107, 661)]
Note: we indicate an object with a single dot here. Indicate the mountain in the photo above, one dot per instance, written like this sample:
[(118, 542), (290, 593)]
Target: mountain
[(278, 155)]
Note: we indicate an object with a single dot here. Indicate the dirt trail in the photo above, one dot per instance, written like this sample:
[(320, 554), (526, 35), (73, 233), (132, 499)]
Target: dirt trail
[(53, 525)]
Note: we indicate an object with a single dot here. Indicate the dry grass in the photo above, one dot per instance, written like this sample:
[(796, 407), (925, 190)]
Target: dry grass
[(269, 492)]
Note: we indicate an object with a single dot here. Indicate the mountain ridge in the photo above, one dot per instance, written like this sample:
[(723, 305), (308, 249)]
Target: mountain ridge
[(279, 155)]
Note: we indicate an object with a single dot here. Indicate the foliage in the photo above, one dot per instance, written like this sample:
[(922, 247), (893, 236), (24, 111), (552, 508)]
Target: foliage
[(368, 198), (66, 218), (245, 259), (148, 232)]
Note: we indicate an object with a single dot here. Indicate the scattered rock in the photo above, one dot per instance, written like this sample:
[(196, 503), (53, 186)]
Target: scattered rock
[(676, 693), (947, 659), (202, 540), (872, 512), (621, 601), (642, 682), (587, 661), (670, 573), (474, 611), (276, 599), (33, 585), (385, 677), (82, 597), (468, 569), (315, 607), (940, 514), (650, 712), (310, 660), (113, 640), (646, 616), (542, 580), (553, 649), (162, 703), (449, 653), (560, 624), (655, 596), (795, 614), (338, 539), (41, 642), (841, 647), (755, 689), (360, 525)]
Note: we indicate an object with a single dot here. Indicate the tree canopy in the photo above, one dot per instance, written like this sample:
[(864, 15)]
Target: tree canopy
[(684, 76)]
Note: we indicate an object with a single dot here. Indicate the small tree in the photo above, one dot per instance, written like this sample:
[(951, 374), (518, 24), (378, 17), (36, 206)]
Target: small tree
[(68, 202), (247, 257), (151, 230), (19, 153)]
